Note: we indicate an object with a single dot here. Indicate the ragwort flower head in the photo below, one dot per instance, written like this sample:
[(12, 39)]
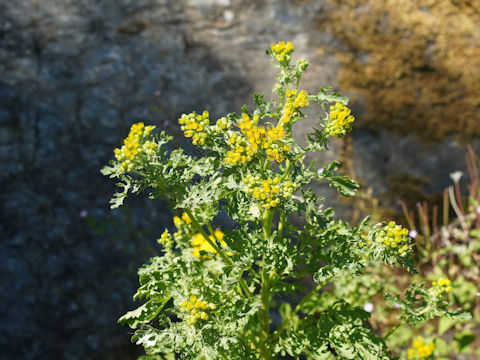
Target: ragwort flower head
[(269, 193), (195, 126), (293, 103), (440, 287), (135, 146), (199, 244), (420, 350), (195, 309), (394, 238), (282, 51), (340, 120)]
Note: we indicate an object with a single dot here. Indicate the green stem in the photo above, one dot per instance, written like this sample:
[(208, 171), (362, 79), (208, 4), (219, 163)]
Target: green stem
[(392, 331), (284, 97), (284, 324), (280, 226), (221, 353), (216, 248), (207, 238), (229, 193), (267, 224), (287, 169), (265, 292), (265, 319), (212, 232), (265, 164), (289, 165), (138, 172)]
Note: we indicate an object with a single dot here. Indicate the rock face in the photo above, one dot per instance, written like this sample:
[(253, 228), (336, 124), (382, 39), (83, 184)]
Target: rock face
[(74, 76)]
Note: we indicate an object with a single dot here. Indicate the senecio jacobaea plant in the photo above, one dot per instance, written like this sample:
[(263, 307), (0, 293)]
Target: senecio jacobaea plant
[(214, 293)]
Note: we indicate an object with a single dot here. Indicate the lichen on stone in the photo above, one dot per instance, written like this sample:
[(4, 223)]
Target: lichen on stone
[(415, 63)]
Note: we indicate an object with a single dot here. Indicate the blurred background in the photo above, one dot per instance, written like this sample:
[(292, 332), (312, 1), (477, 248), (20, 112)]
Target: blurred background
[(74, 75)]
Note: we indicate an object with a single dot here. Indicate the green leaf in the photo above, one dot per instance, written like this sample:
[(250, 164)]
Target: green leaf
[(144, 314), (464, 339), (345, 186), (444, 324), (327, 95), (441, 346), (119, 196), (364, 223), (202, 198), (475, 233), (108, 170), (330, 272), (465, 316)]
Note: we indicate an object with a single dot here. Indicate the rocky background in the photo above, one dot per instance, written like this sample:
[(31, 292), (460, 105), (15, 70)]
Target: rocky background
[(74, 75)]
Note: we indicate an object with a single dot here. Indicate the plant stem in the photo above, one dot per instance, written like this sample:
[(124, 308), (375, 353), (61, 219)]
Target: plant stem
[(265, 318), (216, 248), (392, 331), (406, 215), (284, 324), (265, 291), (280, 226), (289, 165), (267, 224), (207, 238), (456, 208), (445, 208), (222, 355)]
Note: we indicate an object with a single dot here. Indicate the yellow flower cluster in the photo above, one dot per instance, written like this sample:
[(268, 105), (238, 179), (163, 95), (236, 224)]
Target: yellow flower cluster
[(364, 241), (180, 221), (293, 103), (301, 100), (254, 134), (340, 120), (199, 243), (222, 124), (255, 138), (178, 235), (441, 287), (276, 151), (241, 150), (180, 224), (166, 240), (194, 126), (420, 350), (276, 133), (268, 192), (196, 309), (134, 145), (186, 219), (282, 50), (395, 237)]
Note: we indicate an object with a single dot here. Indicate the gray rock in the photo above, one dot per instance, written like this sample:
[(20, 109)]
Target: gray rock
[(74, 76)]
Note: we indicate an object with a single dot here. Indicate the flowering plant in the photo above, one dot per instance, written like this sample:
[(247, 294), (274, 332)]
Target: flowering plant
[(216, 293)]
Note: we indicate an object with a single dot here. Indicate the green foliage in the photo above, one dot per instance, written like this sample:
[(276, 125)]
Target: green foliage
[(343, 184), (211, 293), (339, 330), (450, 251), (420, 305)]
